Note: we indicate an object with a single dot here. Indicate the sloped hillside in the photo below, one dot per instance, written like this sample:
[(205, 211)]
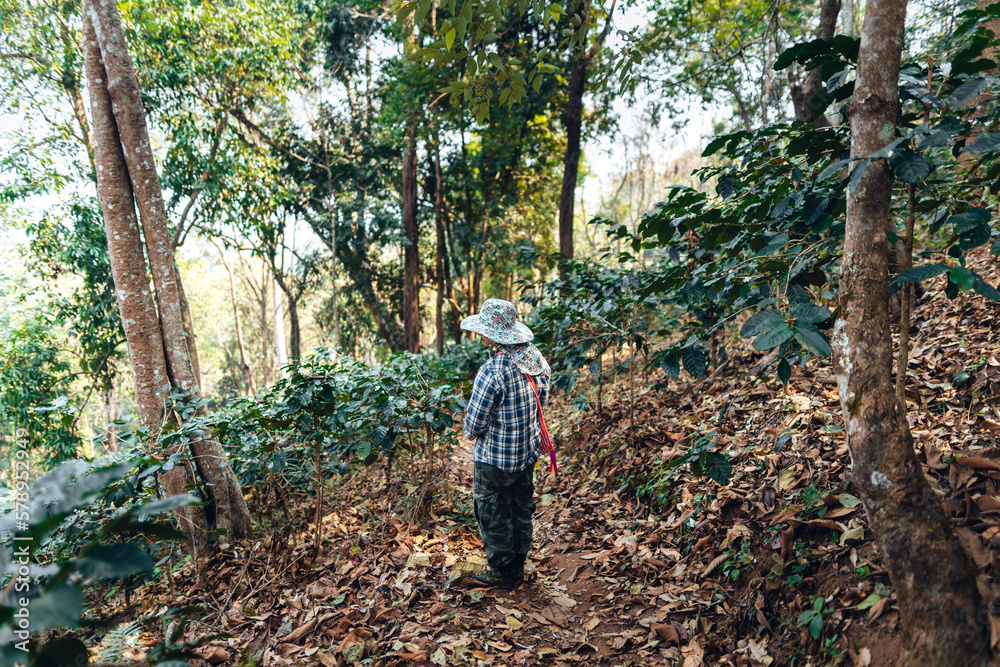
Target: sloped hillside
[(636, 562)]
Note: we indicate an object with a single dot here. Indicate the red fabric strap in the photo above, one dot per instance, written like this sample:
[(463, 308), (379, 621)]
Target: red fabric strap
[(546, 441)]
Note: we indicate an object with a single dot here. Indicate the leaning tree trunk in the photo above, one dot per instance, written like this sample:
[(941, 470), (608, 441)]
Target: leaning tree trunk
[(942, 612), (227, 508), (128, 269)]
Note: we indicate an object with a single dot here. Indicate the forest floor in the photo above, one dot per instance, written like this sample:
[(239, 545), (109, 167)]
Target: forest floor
[(634, 564)]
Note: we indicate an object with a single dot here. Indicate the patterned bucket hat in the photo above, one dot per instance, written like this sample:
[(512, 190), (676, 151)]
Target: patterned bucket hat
[(497, 320)]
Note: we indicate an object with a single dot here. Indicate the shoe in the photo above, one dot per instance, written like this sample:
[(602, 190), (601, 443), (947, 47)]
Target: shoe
[(505, 579)]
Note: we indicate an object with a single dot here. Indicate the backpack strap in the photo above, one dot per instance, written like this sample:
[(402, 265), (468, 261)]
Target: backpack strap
[(546, 441)]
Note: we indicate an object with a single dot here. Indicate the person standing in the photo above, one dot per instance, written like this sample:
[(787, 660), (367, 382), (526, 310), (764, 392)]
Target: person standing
[(503, 417)]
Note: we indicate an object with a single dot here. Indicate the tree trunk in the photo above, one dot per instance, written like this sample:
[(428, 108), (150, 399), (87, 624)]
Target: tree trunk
[(294, 329), (573, 122), (942, 612), (802, 96), (411, 245), (848, 24), (280, 351), (128, 269), (188, 323), (245, 369), (227, 508), (440, 267)]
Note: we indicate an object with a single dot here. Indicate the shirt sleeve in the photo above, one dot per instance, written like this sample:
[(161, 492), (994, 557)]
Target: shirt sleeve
[(479, 411), (542, 382)]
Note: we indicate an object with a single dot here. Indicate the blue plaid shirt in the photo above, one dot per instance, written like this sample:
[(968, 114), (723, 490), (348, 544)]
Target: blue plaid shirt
[(502, 415)]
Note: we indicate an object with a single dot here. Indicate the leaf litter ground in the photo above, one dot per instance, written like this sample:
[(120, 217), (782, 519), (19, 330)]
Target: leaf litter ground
[(632, 565)]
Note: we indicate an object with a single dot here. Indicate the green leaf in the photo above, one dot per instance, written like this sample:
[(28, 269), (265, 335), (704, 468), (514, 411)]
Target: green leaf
[(784, 371), (60, 607), (984, 144), (832, 169), (910, 166), (694, 361), (975, 237), (963, 278), (166, 504), (967, 91), (760, 321), (449, 38), (810, 314), (774, 337), (114, 561), (423, 8), (718, 467), (984, 288), (857, 174), (812, 340), (672, 367), (715, 145), (920, 273)]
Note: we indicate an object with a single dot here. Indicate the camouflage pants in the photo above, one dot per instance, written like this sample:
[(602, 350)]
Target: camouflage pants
[(504, 503)]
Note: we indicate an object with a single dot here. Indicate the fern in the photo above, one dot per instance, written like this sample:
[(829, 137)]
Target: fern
[(117, 641)]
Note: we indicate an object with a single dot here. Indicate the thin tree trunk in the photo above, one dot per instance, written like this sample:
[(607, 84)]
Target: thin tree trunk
[(573, 122), (440, 267), (245, 369), (188, 323), (802, 96), (280, 352), (411, 245), (128, 269), (294, 329), (942, 612), (227, 508)]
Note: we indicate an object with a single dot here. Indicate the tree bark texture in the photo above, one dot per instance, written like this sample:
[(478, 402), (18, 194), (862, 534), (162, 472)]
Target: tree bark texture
[(440, 265), (573, 122), (802, 96), (188, 323), (280, 351), (411, 248), (245, 369), (227, 508), (128, 270), (943, 616)]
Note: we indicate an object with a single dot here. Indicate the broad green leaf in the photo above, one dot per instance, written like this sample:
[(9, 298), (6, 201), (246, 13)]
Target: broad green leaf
[(832, 169), (810, 314), (718, 467), (967, 91), (771, 338), (975, 237), (812, 340), (921, 273), (760, 321), (694, 361), (984, 144), (963, 278), (857, 174), (984, 288), (449, 38), (423, 8), (672, 367), (784, 371), (114, 561), (60, 607), (910, 166)]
